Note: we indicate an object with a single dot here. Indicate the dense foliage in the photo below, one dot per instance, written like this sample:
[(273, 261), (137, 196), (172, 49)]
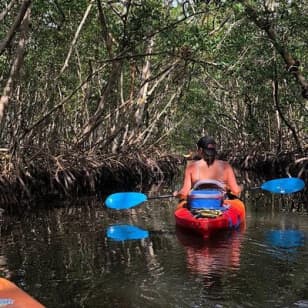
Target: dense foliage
[(119, 76)]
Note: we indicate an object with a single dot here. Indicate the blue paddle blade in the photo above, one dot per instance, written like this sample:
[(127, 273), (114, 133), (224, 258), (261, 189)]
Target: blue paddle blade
[(125, 200), (126, 232), (284, 185)]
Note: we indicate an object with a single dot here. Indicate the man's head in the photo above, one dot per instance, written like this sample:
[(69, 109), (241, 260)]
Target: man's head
[(208, 145)]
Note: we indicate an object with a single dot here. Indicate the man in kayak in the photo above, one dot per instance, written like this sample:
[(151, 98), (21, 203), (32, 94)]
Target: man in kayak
[(208, 168)]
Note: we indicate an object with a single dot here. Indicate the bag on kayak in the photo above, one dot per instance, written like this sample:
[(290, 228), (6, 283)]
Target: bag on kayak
[(206, 195), (206, 213)]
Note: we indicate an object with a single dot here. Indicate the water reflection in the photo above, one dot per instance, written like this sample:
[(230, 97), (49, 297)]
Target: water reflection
[(126, 232), (214, 255), (4, 270), (63, 257), (287, 239), (285, 242)]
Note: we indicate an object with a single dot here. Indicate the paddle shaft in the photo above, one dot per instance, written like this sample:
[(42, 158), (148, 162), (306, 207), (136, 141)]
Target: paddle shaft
[(126, 200), (161, 197)]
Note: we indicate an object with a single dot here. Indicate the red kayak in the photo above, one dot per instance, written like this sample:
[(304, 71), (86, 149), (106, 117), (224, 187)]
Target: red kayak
[(13, 297), (205, 222)]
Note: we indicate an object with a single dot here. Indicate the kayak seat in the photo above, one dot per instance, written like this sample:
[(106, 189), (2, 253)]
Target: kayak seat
[(207, 195)]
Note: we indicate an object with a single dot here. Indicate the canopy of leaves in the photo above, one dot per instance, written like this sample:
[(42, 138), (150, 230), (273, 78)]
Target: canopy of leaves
[(123, 75)]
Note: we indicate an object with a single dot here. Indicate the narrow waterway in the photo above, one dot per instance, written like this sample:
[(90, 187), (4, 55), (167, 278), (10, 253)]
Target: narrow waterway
[(63, 258)]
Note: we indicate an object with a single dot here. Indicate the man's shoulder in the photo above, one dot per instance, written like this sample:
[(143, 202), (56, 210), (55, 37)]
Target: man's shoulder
[(223, 163), (193, 163)]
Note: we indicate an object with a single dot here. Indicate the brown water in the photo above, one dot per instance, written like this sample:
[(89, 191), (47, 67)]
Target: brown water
[(62, 257)]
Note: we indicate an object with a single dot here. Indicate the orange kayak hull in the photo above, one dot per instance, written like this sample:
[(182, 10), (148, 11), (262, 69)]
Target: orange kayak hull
[(232, 217), (13, 297)]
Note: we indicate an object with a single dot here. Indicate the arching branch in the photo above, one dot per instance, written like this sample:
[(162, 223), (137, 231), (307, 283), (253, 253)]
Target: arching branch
[(291, 63), (22, 12)]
